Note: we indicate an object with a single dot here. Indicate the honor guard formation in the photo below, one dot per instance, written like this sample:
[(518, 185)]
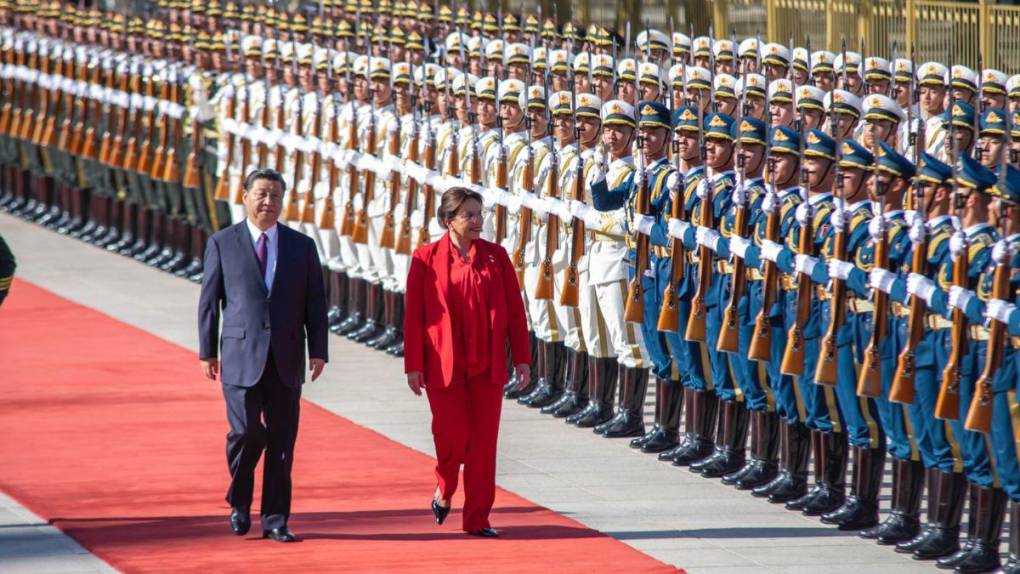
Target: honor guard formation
[(814, 254)]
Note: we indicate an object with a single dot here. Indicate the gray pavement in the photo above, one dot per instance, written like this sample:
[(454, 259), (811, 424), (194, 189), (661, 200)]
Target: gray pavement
[(669, 513)]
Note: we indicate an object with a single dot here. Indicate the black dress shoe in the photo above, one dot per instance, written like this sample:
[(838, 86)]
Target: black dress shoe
[(484, 533), (439, 512), (279, 535), (240, 521)]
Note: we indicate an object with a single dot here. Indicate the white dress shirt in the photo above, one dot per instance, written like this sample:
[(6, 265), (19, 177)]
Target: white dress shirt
[(272, 246)]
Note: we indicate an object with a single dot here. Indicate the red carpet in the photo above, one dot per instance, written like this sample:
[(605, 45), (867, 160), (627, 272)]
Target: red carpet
[(113, 436)]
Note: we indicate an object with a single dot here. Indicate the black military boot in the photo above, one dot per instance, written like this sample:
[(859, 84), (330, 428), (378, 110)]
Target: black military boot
[(194, 267), (113, 213), (358, 296), (686, 401), (836, 450), (575, 386), (373, 315), (818, 456), (603, 374), (396, 348), (763, 467), (537, 373), (335, 313), (641, 440), (670, 399), (182, 242), (904, 522), (795, 449), (947, 492), (554, 366), (619, 413), (390, 334), (732, 444), (984, 552), (168, 236), (950, 562), (632, 403), (860, 510), (704, 407), (1012, 566)]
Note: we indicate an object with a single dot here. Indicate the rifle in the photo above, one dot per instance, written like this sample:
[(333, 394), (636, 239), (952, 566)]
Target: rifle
[(107, 107), (669, 313), (403, 240), (979, 415), (386, 238), (13, 108), (44, 130), (428, 205), (793, 354), (948, 404), (347, 224), (544, 287), (158, 158), (222, 192), (524, 220), (9, 91), (69, 105), (360, 233), (32, 96), (327, 218), (705, 216), (870, 379), (292, 211), (500, 222), (570, 296), (902, 390), (828, 364), (171, 169), (729, 336), (147, 128), (308, 206)]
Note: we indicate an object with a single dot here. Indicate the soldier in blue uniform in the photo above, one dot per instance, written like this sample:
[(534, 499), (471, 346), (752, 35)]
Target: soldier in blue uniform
[(716, 186), (663, 181), (780, 201), (654, 127), (931, 228), (822, 415), (866, 436), (977, 236), (750, 376), (699, 394)]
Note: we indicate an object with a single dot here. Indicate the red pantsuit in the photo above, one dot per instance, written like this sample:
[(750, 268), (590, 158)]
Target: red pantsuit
[(459, 318)]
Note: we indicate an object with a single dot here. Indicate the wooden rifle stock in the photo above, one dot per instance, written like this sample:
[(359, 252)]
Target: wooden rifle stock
[(388, 237), (327, 219), (279, 154), (570, 296), (524, 221), (237, 191), (761, 338), (403, 241), (308, 204), (793, 354), (222, 192), (500, 223), (902, 390), (948, 405), (544, 287), (634, 308), (429, 193), (869, 383), (193, 171), (360, 234), (293, 210), (979, 415), (353, 176), (729, 336), (669, 313), (696, 322), (826, 373)]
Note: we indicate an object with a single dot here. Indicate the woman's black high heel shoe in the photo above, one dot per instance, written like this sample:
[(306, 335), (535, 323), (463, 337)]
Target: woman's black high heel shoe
[(439, 512), (485, 533)]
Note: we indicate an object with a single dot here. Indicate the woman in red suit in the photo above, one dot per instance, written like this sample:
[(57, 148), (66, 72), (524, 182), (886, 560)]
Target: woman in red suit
[(463, 306)]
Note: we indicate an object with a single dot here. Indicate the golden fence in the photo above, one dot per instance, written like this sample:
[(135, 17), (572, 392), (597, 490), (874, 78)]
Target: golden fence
[(934, 27)]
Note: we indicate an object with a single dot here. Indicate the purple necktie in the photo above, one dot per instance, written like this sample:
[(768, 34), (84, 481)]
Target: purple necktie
[(262, 253)]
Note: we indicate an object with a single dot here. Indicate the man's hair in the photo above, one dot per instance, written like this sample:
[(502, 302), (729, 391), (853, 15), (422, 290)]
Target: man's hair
[(264, 173)]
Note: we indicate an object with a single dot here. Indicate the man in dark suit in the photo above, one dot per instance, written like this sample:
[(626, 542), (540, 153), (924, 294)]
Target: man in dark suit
[(266, 281)]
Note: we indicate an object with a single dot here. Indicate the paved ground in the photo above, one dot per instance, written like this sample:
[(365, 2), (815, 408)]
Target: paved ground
[(669, 513)]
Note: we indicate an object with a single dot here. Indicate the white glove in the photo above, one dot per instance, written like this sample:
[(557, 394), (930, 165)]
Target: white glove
[(770, 203), (417, 219), (920, 286), (643, 223), (513, 205), (876, 227), (673, 185), (702, 189), (957, 244), (882, 280), (677, 228), (579, 209), (532, 202), (740, 194), (593, 218), (739, 245), (839, 218), (770, 250), (804, 264), (959, 297), (562, 210), (707, 237), (804, 214), (917, 231), (999, 310), (1000, 253), (596, 175), (839, 269)]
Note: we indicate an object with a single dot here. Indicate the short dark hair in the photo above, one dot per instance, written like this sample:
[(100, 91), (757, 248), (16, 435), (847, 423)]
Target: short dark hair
[(451, 201), (264, 173)]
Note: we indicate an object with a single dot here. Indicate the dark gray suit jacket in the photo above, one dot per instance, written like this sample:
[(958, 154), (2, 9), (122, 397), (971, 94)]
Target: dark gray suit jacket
[(254, 319)]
